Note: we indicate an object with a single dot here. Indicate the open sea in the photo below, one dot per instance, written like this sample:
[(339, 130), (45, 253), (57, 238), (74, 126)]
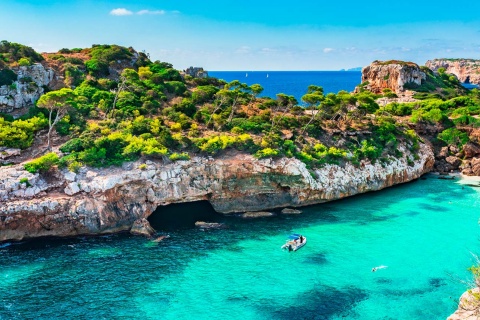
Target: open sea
[(293, 83), (425, 232)]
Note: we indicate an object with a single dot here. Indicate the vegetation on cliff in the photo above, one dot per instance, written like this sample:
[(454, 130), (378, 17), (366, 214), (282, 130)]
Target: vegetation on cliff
[(121, 106)]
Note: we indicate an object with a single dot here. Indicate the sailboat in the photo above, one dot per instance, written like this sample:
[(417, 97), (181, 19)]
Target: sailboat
[(246, 75), (267, 75)]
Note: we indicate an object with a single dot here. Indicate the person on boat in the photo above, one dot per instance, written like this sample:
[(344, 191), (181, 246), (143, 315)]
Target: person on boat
[(301, 239), (374, 269)]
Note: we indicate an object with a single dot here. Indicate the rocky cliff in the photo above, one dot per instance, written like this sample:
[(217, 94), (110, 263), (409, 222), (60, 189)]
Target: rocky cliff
[(466, 70), (109, 200), (468, 307), (30, 85), (380, 75)]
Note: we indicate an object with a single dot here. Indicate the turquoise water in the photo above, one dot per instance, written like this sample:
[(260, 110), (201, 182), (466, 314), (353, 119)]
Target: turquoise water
[(423, 231)]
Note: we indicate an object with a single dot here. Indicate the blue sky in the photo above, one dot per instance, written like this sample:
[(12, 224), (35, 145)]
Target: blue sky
[(252, 35)]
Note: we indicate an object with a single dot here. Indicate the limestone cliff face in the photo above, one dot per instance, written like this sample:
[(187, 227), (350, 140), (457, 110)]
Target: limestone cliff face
[(468, 307), (466, 70), (27, 89), (112, 199), (391, 75)]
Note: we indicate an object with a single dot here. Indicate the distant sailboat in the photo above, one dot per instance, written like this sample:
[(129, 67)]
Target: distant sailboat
[(246, 75), (267, 75)]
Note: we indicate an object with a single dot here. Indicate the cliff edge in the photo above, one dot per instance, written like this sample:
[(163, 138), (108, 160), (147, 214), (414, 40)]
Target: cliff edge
[(466, 70), (95, 201)]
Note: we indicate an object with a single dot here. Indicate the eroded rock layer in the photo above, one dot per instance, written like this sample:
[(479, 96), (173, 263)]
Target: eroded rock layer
[(466, 70), (112, 199), (393, 75)]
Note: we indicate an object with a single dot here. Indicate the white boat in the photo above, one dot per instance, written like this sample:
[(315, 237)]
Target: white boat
[(295, 242)]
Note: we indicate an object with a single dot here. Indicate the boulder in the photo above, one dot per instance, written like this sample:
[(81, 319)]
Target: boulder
[(72, 188), (443, 153), (209, 225), (475, 165), (257, 214), (290, 211), (471, 149), (454, 162), (141, 227)]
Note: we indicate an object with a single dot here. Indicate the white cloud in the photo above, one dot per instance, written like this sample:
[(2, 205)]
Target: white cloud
[(328, 50), (121, 12), (243, 50), (142, 12)]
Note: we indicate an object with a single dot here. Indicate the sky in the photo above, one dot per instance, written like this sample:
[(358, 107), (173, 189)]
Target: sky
[(252, 34)]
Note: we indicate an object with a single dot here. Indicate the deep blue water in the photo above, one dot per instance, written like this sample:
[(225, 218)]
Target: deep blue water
[(293, 82), (424, 231)]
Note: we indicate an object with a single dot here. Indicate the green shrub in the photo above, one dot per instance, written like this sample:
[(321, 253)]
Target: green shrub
[(25, 180), (42, 164), (97, 68), (179, 156), (266, 153), (7, 77), (24, 62), (453, 136)]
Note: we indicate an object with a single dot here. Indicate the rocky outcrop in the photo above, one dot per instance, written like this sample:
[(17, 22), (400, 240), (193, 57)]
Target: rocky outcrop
[(141, 227), (96, 201), (468, 307), (466, 70), (392, 75), (196, 72), (29, 86)]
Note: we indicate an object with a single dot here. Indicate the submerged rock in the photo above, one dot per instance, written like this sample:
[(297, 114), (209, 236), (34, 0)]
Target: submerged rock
[(209, 225), (290, 211), (257, 214)]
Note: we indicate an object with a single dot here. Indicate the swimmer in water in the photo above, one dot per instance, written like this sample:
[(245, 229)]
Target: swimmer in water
[(380, 267)]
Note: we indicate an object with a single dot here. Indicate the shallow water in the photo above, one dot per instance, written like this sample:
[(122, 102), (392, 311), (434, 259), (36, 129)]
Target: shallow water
[(423, 231)]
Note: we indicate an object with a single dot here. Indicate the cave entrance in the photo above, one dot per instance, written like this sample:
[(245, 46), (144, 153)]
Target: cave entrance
[(467, 80), (183, 215)]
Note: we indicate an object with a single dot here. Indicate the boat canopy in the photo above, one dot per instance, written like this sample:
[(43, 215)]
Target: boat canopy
[(294, 236)]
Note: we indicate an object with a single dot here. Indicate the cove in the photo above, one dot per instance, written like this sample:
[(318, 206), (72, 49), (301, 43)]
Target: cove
[(423, 231)]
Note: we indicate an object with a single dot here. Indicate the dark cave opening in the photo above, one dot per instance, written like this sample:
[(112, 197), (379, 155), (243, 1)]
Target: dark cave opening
[(183, 215)]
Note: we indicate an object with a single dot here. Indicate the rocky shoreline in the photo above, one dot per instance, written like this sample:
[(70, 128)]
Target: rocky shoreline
[(98, 201)]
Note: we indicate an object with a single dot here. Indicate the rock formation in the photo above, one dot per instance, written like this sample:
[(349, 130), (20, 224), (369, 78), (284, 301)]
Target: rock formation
[(380, 75), (468, 307), (196, 72), (466, 70), (95, 201), (27, 89)]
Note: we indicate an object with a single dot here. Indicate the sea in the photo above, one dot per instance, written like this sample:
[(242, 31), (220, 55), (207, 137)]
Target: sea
[(293, 83), (424, 233)]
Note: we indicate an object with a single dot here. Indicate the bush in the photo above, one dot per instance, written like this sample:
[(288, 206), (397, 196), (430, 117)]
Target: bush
[(42, 164), (97, 68), (266, 153), (24, 62), (453, 136), (7, 77), (25, 180), (179, 156), (75, 144)]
